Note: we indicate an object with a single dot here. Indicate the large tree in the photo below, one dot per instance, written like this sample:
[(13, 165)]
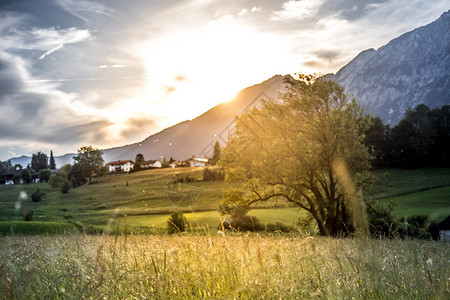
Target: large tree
[(39, 161), (89, 161), (306, 149)]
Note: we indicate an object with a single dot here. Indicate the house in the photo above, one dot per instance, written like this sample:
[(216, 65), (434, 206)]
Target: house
[(444, 229), (120, 166), (151, 164), (177, 164), (10, 174), (197, 162)]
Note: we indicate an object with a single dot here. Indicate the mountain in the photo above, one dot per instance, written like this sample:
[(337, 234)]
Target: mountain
[(411, 69), (197, 137), (194, 137)]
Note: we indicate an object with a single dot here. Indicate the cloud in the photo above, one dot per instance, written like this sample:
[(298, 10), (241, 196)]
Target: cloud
[(328, 54), (81, 8), (297, 10), (136, 126), (51, 51), (181, 78)]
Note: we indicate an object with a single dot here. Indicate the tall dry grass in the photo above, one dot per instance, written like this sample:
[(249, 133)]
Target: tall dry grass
[(221, 267)]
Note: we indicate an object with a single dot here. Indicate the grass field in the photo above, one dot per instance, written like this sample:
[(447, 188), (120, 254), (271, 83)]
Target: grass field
[(143, 201), (221, 267)]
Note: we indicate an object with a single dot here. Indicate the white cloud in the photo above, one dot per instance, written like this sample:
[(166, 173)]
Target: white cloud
[(256, 9), (51, 51), (79, 8), (243, 12), (297, 10)]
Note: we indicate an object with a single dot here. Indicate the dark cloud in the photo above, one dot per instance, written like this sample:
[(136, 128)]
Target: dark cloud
[(10, 78), (348, 9), (328, 54), (138, 127)]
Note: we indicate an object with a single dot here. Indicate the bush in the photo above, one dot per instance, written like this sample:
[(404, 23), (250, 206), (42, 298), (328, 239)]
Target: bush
[(37, 196), (213, 174), (65, 187), (242, 223), (44, 175), (414, 227), (177, 223)]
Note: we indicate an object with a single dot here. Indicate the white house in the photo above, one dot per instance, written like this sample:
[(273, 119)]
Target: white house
[(151, 164), (176, 164), (120, 166), (444, 229), (197, 162)]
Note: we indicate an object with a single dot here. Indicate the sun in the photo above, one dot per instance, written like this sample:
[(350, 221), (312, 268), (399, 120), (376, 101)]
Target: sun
[(191, 70)]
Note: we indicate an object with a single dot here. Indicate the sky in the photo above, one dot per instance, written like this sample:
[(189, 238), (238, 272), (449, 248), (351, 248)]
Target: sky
[(108, 73)]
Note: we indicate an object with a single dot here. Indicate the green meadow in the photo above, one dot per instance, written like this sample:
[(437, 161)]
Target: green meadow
[(141, 202)]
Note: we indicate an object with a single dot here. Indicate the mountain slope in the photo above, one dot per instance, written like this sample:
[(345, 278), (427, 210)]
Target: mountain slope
[(197, 136), (194, 137), (411, 69)]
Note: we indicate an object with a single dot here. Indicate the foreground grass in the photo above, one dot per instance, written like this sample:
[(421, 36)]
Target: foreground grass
[(221, 267)]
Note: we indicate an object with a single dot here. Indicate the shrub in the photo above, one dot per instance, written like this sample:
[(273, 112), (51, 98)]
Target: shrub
[(37, 196), (213, 174), (65, 187), (242, 223), (44, 175), (177, 223), (414, 227)]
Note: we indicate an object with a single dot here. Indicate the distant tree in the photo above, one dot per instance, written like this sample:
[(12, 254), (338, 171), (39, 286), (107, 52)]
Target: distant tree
[(77, 175), (378, 141), (136, 166), (16, 167), (5, 166), (308, 150), (39, 161), (26, 176), (90, 160), (44, 175), (139, 158), (171, 160), (17, 177), (412, 138), (52, 161), (65, 169), (216, 154)]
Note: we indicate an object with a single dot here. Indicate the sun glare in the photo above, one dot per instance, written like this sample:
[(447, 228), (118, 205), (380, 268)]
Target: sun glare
[(192, 70)]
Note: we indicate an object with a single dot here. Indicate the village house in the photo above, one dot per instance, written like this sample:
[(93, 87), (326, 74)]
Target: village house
[(444, 230), (120, 166), (177, 164), (151, 164), (197, 162)]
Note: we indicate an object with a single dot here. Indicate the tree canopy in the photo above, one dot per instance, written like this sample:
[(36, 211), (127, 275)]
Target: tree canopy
[(420, 139), (89, 161), (39, 161), (306, 149)]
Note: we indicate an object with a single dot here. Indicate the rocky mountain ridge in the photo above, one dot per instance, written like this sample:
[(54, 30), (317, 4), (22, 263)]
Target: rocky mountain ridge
[(411, 69)]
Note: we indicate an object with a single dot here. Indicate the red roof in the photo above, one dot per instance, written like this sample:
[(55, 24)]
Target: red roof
[(119, 162)]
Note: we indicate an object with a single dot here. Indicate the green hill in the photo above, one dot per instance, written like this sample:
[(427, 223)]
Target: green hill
[(141, 202)]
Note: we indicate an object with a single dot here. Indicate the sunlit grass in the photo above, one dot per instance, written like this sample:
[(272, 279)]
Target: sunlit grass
[(221, 267)]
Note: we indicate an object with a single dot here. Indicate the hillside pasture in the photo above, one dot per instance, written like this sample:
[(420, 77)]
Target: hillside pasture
[(142, 201)]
